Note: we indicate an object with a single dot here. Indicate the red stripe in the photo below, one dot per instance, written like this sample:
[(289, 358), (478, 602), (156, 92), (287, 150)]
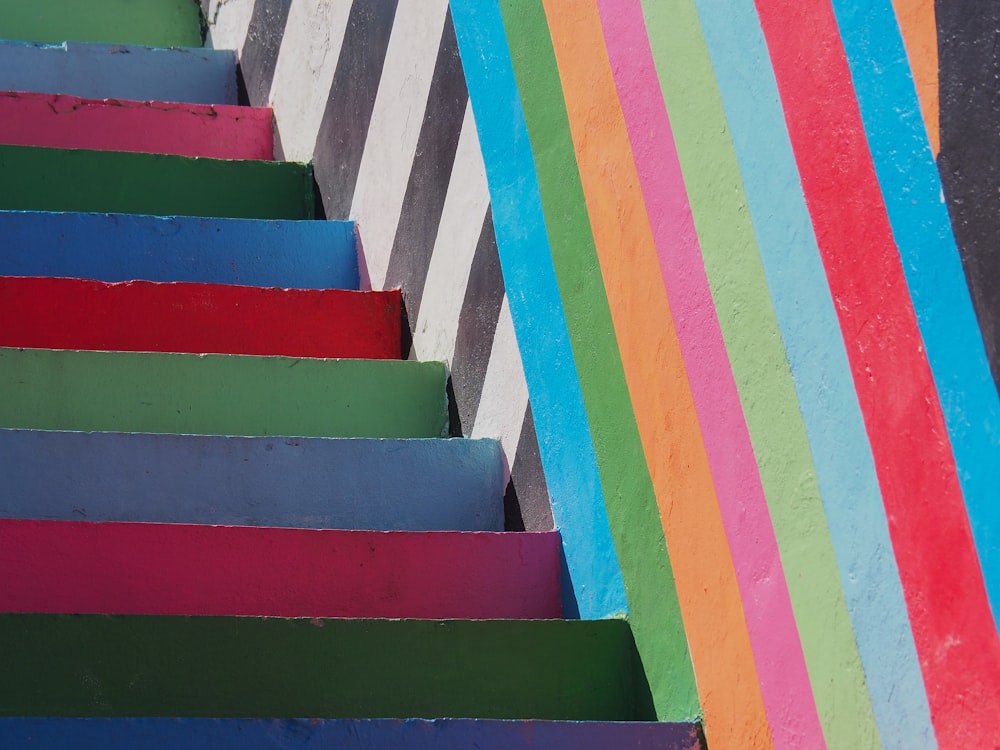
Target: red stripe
[(953, 629)]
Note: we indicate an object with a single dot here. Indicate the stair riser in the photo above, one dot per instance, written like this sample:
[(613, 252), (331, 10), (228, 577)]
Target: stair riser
[(57, 313), (416, 485), (100, 71), (172, 569), (121, 247), (58, 121), (79, 665), (43, 179), (371, 734), (220, 394)]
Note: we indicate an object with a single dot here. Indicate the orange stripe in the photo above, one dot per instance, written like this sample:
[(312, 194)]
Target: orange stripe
[(918, 25), (661, 396)]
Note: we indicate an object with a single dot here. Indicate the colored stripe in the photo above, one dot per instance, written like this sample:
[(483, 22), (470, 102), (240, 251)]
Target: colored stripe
[(592, 575), (658, 383), (834, 424), (743, 512), (259, 53), (919, 28), (920, 488), (635, 526), (76, 567), (760, 367)]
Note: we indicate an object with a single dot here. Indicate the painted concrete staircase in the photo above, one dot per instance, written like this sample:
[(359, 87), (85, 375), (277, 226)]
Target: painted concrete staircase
[(228, 516)]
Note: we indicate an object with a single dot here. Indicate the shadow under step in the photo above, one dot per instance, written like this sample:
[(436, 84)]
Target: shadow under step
[(122, 247), (63, 121), (246, 667), (52, 179), (111, 71), (220, 394)]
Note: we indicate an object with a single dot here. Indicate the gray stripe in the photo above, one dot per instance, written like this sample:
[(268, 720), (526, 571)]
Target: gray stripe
[(260, 49)]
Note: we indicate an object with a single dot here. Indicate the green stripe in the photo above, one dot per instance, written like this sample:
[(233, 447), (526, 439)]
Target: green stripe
[(757, 356), (194, 394), (97, 665), (52, 179), (654, 611)]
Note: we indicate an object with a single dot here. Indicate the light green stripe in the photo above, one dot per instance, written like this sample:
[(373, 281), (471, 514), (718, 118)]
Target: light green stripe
[(757, 356), (628, 489)]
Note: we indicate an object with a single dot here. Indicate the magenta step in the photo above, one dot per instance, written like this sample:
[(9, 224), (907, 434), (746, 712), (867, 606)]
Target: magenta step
[(64, 121), (79, 567)]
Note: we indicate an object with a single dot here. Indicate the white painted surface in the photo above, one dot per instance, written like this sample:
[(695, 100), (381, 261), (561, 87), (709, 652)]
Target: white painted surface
[(228, 21)]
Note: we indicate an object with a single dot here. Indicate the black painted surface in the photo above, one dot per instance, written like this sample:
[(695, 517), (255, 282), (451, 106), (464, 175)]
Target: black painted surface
[(430, 174), (260, 49), (340, 142), (969, 161), (527, 485)]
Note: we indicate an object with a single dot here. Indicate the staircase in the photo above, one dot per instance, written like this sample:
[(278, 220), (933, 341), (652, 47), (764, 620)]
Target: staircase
[(229, 516)]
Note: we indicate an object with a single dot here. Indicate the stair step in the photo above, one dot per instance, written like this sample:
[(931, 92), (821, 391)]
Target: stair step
[(414, 484), (359, 734), (63, 121), (220, 394), (245, 667), (77, 567), (147, 316), (160, 23), (53, 179), (121, 247), (105, 71)]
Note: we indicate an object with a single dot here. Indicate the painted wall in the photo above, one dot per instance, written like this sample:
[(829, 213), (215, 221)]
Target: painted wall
[(694, 264)]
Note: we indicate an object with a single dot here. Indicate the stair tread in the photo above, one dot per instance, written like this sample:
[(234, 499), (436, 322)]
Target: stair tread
[(182, 569), (137, 665), (64, 121), (364, 483), (115, 71), (220, 394), (51, 179), (121, 247), (145, 316)]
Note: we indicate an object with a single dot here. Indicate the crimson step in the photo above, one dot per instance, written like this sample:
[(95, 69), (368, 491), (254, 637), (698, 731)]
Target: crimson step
[(249, 667), (75, 567), (356, 483), (114, 71), (121, 247), (63, 121), (145, 316), (220, 394), (359, 734)]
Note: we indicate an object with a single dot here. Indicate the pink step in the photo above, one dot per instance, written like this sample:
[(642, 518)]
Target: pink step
[(79, 567), (61, 121)]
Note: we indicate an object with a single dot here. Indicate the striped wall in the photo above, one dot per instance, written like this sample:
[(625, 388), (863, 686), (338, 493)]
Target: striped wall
[(694, 264)]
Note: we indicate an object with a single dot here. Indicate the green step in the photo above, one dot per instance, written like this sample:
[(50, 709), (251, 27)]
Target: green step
[(154, 23), (52, 179), (102, 665), (220, 394)]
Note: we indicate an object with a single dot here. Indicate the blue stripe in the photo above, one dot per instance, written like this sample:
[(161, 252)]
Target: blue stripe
[(914, 199), (564, 440), (821, 371)]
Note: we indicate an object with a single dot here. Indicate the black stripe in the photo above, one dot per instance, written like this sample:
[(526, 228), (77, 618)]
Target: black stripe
[(430, 174), (260, 49), (526, 504), (340, 142), (477, 324), (969, 162)]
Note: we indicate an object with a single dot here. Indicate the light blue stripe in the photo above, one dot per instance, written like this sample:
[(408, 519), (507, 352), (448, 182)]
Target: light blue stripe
[(565, 445), (811, 333), (914, 199)]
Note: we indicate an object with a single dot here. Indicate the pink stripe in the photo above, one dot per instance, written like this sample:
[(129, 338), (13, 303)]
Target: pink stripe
[(179, 569), (61, 121), (781, 666)]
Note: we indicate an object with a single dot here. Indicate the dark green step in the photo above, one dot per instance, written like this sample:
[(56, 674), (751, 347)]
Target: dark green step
[(52, 179), (220, 394), (101, 665)]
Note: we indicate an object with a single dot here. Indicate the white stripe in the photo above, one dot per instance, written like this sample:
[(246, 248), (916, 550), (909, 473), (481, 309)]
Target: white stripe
[(228, 22), (395, 126), (505, 392), (303, 74), (454, 248)]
